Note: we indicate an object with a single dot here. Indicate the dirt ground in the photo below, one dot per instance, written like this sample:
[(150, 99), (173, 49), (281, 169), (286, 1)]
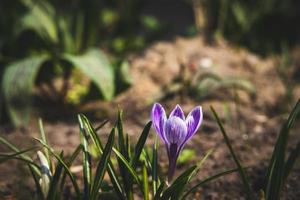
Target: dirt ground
[(252, 121)]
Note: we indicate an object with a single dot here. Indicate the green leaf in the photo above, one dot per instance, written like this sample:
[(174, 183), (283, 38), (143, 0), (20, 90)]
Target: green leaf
[(127, 165), (140, 144), (155, 180), (159, 190), (39, 19), (175, 191), (86, 159), (206, 180), (237, 162), (276, 173), (97, 67), (145, 182), (127, 181), (6, 157), (23, 156), (55, 180), (43, 136), (102, 165), (186, 155), (111, 171), (17, 85)]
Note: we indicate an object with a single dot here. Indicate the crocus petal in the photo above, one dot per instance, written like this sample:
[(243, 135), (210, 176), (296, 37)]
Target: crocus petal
[(177, 112), (158, 117), (175, 131), (193, 121)]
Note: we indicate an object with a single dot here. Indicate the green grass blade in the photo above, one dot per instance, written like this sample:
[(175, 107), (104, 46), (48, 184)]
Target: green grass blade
[(69, 164), (65, 166), (175, 191), (178, 184), (291, 161), (145, 182), (277, 166), (86, 161), (127, 165), (36, 182), (43, 136), (102, 165), (206, 180), (140, 145), (155, 180), (159, 191), (23, 157), (243, 175), (111, 171), (5, 157), (127, 182), (52, 194), (101, 125)]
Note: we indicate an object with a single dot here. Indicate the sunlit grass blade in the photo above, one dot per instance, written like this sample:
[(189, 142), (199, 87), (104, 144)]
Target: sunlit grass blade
[(43, 137), (52, 194), (102, 165), (23, 157), (5, 157), (159, 191), (145, 182), (65, 166), (86, 161), (277, 166), (206, 180), (155, 180), (250, 195), (111, 171)]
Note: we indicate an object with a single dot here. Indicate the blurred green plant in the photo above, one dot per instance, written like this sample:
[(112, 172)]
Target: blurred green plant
[(259, 25), (53, 38)]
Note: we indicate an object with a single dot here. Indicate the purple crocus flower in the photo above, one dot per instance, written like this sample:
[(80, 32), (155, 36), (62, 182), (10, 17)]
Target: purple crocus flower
[(176, 130)]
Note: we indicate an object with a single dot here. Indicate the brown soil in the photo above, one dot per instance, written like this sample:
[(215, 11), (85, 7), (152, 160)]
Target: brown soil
[(252, 122)]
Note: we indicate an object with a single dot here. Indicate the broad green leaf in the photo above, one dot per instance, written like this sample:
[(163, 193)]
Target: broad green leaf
[(40, 18), (17, 85), (250, 195), (97, 67)]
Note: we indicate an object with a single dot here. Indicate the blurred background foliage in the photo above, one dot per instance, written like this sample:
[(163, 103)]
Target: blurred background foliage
[(46, 45)]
